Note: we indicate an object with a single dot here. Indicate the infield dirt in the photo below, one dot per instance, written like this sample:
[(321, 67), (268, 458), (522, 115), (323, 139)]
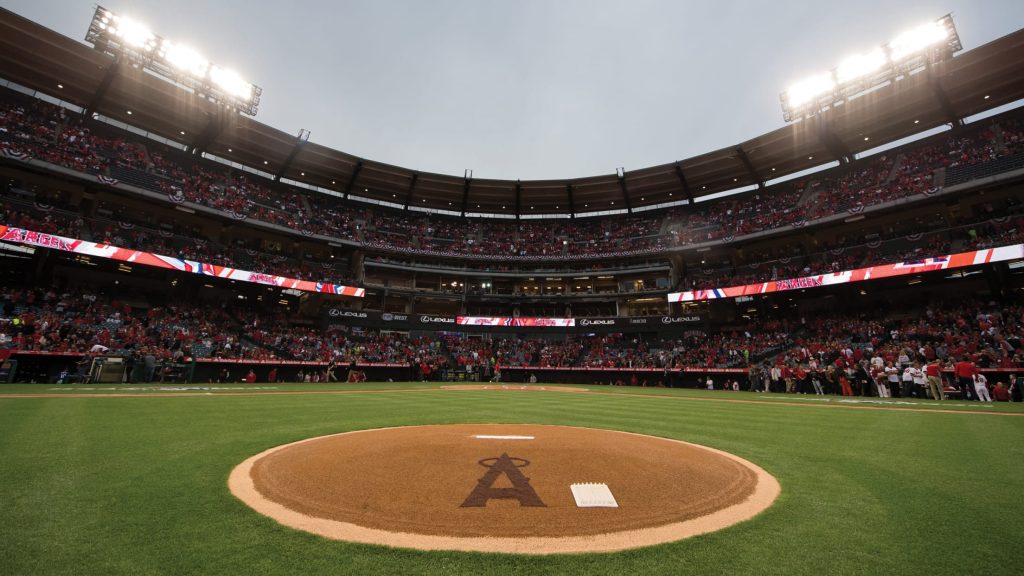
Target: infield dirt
[(410, 487)]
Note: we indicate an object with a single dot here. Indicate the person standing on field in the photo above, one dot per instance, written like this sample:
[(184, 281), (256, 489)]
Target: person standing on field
[(981, 388), (934, 372), (844, 382), (907, 384), (920, 379), (965, 371), (816, 382), (892, 376), (878, 375), (1017, 387), (149, 361)]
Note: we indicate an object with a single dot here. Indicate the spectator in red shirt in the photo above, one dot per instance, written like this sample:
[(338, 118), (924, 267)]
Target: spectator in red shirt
[(934, 372), (1001, 393), (965, 371)]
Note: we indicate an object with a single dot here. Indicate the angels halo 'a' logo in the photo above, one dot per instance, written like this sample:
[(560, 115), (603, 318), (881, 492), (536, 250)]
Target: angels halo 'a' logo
[(520, 490)]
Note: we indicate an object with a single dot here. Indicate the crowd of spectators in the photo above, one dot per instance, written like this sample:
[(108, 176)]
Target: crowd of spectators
[(469, 352), (81, 322), (54, 134), (842, 353), (994, 226), (181, 242), (898, 354)]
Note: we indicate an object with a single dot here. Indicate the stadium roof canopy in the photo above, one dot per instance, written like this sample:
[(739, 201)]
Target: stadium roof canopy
[(972, 82)]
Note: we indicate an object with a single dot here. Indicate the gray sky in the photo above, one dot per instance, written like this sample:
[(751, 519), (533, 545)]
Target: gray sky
[(529, 89)]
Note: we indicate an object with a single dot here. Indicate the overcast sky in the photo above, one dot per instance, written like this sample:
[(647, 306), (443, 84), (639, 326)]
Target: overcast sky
[(529, 89)]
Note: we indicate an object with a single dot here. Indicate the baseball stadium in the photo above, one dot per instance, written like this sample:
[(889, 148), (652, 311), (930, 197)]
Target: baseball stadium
[(226, 348)]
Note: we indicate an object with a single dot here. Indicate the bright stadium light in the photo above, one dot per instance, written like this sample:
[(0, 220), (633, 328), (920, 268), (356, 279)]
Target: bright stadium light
[(806, 90), (231, 82), (129, 40), (184, 58), (907, 54), (860, 65), (133, 32), (913, 41)]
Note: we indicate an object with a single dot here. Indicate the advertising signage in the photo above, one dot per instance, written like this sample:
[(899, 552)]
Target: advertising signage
[(441, 322), (129, 256), (918, 266)]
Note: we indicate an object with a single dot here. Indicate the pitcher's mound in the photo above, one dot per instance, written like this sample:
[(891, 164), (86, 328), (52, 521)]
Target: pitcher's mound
[(514, 387), (502, 488)]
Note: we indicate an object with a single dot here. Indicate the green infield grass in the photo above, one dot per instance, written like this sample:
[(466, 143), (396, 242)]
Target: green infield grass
[(137, 485)]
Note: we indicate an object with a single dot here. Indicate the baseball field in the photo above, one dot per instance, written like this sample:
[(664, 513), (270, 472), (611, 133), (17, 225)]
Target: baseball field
[(134, 480)]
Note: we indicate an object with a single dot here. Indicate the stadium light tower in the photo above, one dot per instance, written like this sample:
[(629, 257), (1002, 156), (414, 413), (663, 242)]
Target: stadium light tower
[(133, 41), (909, 53)]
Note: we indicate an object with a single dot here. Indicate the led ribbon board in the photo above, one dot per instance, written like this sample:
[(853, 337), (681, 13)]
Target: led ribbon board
[(947, 262), (86, 248), (521, 322)]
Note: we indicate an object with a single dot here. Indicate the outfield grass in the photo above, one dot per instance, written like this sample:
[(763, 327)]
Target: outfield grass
[(113, 485)]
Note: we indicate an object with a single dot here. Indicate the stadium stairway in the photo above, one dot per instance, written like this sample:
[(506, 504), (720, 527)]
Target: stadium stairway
[(766, 354), (447, 352), (897, 163), (999, 138), (577, 361), (810, 196), (305, 205), (239, 331)]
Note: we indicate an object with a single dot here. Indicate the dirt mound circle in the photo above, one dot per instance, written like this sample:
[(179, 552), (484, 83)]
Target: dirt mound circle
[(502, 488)]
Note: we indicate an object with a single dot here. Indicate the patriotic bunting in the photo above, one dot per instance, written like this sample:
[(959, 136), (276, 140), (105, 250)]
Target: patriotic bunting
[(15, 154)]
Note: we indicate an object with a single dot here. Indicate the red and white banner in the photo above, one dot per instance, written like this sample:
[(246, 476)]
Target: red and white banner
[(84, 247), (515, 322), (947, 262)]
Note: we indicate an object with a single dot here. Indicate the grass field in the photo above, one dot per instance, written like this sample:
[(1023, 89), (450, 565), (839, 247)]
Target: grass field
[(128, 485)]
